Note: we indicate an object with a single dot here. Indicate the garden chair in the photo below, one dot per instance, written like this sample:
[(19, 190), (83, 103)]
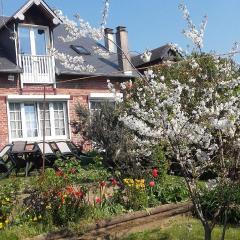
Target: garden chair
[(18, 156), (5, 164), (50, 155), (65, 150), (74, 148)]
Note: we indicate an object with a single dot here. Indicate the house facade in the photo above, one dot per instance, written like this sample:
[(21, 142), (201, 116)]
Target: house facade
[(27, 70)]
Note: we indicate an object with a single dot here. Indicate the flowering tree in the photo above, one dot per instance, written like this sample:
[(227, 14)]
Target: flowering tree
[(193, 107), (81, 29)]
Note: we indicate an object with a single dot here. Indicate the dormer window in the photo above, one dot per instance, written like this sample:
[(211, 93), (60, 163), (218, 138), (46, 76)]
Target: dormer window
[(33, 40), (34, 58)]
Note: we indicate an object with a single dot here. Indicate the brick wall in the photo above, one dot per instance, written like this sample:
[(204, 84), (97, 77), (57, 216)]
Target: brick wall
[(78, 90)]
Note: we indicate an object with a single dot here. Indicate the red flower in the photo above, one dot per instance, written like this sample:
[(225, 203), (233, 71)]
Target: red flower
[(155, 172), (59, 173), (102, 184), (98, 200), (73, 170), (59, 194), (152, 184), (114, 181), (78, 194)]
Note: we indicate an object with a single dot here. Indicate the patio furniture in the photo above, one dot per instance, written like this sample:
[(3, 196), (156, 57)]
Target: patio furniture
[(5, 161), (74, 148), (50, 155), (18, 156), (64, 150)]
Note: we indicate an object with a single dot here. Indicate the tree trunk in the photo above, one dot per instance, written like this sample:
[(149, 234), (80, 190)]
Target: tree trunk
[(225, 225), (207, 232)]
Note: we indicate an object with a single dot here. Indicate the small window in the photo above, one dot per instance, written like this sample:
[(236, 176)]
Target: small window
[(80, 50)]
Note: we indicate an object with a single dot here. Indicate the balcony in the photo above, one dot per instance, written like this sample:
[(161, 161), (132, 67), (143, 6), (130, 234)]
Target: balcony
[(37, 69)]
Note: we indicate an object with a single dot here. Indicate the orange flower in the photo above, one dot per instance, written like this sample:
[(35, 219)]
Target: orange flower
[(59, 173), (78, 194), (70, 189)]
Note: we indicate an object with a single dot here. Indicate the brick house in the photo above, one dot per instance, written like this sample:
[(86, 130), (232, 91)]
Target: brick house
[(26, 65)]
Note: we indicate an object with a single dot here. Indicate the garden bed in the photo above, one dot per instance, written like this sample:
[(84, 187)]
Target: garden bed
[(120, 225)]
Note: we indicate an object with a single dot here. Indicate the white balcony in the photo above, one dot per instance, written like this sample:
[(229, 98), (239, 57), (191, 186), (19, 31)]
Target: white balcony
[(37, 69)]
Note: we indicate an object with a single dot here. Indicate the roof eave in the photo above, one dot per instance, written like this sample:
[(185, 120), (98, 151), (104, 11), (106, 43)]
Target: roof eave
[(11, 71), (59, 73), (20, 13)]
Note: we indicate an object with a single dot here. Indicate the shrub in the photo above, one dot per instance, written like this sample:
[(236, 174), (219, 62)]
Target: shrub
[(8, 196), (171, 190), (110, 137), (221, 198)]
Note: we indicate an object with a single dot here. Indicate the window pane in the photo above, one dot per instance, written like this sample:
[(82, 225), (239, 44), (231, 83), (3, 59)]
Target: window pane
[(40, 41), (15, 120), (31, 120), (60, 123), (47, 119), (24, 40)]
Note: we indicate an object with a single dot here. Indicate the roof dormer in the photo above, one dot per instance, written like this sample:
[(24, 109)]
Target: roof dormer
[(36, 12)]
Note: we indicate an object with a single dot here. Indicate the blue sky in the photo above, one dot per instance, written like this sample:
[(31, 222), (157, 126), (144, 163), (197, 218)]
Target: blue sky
[(153, 23)]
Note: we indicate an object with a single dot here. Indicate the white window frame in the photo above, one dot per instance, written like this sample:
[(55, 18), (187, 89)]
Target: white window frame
[(32, 39), (102, 97), (37, 100)]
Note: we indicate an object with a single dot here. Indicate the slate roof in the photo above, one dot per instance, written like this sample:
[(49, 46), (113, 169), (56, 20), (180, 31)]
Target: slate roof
[(104, 66), (3, 20), (158, 54), (6, 66)]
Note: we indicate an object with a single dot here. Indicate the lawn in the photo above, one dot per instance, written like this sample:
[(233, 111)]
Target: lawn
[(183, 228)]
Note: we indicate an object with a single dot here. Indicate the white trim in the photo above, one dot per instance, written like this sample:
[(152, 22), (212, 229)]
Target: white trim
[(52, 120), (35, 98), (8, 120), (69, 120), (21, 12), (33, 37), (104, 95)]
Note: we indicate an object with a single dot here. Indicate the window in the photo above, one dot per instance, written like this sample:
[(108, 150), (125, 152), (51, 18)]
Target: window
[(96, 104), (26, 120), (59, 119), (96, 100), (15, 120), (33, 40), (80, 50)]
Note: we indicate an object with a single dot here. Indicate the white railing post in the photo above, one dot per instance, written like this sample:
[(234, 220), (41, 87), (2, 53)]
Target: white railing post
[(37, 69)]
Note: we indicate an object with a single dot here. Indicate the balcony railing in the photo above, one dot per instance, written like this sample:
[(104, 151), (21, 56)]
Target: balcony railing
[(37, 69)]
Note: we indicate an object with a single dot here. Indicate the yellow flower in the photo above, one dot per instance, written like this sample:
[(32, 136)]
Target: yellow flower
[(35, 219), (6, 221), (129, 182), (1, 225)]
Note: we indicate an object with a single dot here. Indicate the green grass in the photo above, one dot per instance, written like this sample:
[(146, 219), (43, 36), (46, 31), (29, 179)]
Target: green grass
[(23, 231), (183, 228)]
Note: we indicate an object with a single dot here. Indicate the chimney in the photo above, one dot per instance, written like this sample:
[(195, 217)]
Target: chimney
[(109, 40), (122, 42)]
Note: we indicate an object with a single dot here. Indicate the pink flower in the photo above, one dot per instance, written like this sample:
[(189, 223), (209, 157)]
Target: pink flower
[(98, 200), (152, 184), (155, 172)]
